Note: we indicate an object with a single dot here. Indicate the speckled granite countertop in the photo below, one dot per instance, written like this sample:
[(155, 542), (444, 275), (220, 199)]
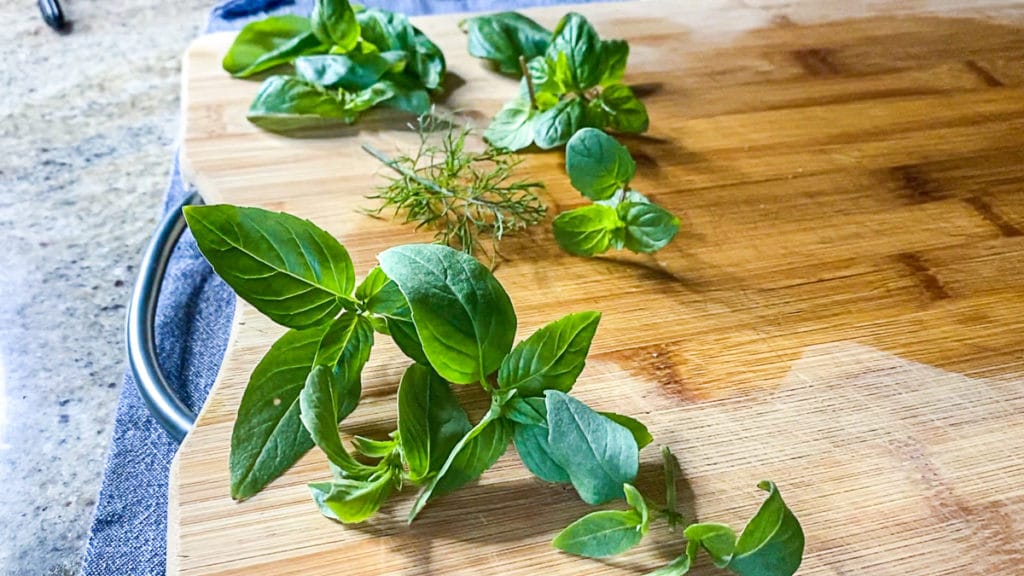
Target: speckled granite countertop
[(87, 125)]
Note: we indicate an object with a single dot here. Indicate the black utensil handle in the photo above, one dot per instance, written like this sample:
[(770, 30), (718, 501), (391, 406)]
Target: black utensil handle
[(140, 333), (53, 14)]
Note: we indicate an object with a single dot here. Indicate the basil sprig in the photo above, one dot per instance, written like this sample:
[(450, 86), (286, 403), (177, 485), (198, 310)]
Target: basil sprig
[(571, 80), (457, 325), (347, 59), (601, 169)]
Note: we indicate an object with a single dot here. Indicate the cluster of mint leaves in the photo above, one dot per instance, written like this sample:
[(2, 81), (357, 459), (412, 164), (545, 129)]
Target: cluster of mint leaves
[(571, 79), (620, 217), (454, 321), (347, 59)]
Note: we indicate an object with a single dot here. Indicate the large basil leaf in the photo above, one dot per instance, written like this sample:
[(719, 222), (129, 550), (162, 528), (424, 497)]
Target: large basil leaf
[(601, 534), (588, 230), (503, 37), (511, 127), (290, 103), (599, 454), (270, 42), (552, 357), (387, 30), (578, 40), (405, 94), (463, 317), (554, 126), (531, 439), (597, 164), (334, 23), (288, 268), (649, 227), (626, 113), (614, 54), (351, 72), (351, 501), (772, 544), (269, 436), (430, 421)]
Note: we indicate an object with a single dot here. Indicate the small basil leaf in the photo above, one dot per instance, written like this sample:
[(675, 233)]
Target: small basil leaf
[(772, 544), (601, 534), (463, 317), (626, 113), (286, 103), (649, 227), (614, 54), (529, 411), (351, 501), (587, 230), (268, 435), (379, 295), (503, 37), (511, 127), (635, 499), (636, 428), (597, 164), (427, 61), (320, 419), (270, 42), (374, 448), (554, 126), (430, 421), (353, 71), (552, 357), (718, 540), (578, 40), (677, 567), (551, 78), (334, 23), (288, 268), (599, 454)]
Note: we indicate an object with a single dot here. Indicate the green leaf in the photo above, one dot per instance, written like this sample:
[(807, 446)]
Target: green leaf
[(334, 23), (531, 439), (636, 428), (578, 40), (601, 534), (597, 164), (649, 227), (403, 332), (351, 501), (677, 567), (406, 94), (554, 126), (378, 294), (614, 54), (530, 411), (588, 230), (552, 357), (635, 499), (551, 78), (268, 435), (270, 42), (286, 103), (626, 113), (463, 317), (286, 267), (474, 453), (374, 448), (392, 31), (718, 540), (599, 454), (352, 72), (430, 421), (503, 37), (511, 127), (772, 544)]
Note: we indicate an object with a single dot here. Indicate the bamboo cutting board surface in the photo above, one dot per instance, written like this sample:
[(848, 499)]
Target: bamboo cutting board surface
[(841, 311)]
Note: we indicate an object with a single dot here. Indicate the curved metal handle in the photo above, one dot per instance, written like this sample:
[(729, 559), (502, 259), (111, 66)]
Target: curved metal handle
[(140, 333)]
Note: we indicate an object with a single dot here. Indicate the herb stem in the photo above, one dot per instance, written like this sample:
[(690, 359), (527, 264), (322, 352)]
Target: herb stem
[(529, 81)]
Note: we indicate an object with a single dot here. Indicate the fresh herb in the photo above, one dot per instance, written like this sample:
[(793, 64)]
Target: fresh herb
[(468, 197), (346, 60), (571, 80), (456, 323), (601, 169)]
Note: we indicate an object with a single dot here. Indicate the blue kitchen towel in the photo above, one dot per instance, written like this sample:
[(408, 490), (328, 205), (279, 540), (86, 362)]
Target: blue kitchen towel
[(193, 322)]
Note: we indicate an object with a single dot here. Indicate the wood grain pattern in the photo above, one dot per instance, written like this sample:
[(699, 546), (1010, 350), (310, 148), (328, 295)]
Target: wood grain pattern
[(841, 312)]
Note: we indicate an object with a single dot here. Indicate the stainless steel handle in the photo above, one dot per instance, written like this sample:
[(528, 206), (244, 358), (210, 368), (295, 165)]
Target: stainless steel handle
[(140, 332)]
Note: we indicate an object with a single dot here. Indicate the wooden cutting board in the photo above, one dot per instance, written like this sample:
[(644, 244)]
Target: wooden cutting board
[(841, 311)]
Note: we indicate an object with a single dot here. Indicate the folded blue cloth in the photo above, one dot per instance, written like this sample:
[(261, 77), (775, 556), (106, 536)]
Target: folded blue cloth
[(193, 321)]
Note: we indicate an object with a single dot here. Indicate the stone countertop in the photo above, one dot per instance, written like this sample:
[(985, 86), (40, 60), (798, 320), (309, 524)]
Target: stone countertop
[(88, 123)]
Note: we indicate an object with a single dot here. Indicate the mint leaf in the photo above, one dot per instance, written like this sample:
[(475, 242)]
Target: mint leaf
[(554, 126), (352, 72), (588, 230), (430, 421), (772, 543), (551, 78), (578, 40), (597, 164), (552, 357), (614, 54), (601, 534), (503, 37), (599, 454), (463, 317), (286, 267), (334, 23), (268, 43), (649, 227), (636, 428), (351, 501), (511, 128), (626, 113)]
